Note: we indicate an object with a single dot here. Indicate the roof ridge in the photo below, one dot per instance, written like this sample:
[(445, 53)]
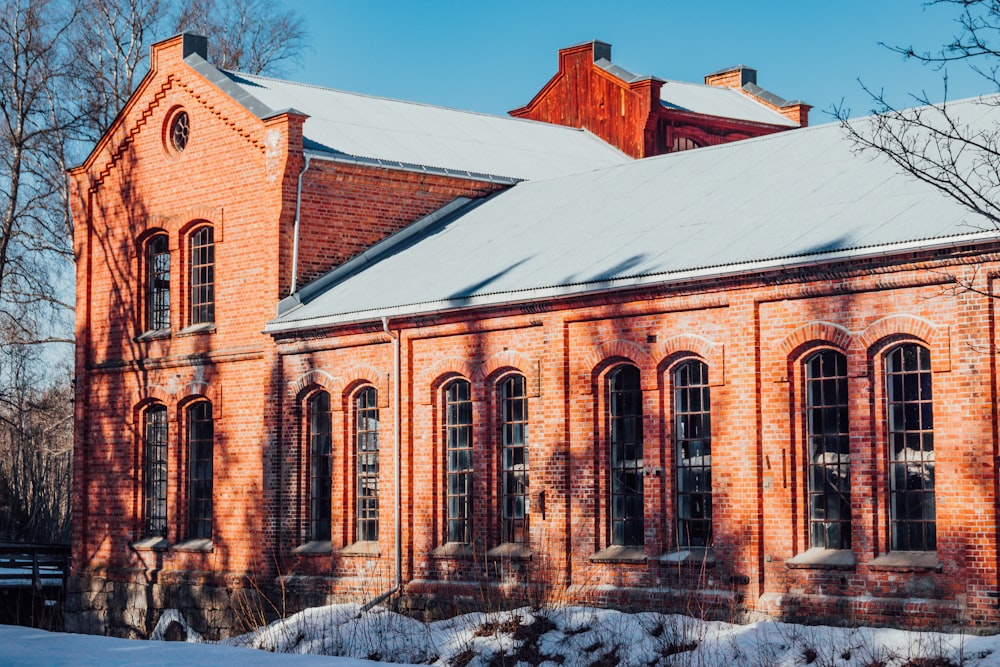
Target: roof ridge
[(383, 98)]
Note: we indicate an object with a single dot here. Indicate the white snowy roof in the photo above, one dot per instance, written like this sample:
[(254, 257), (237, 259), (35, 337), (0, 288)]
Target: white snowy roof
[(717, 101), (789, 198), (396, 133)]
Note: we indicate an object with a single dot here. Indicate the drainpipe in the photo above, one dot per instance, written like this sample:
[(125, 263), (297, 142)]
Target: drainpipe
[(397, 462), (295, 236)]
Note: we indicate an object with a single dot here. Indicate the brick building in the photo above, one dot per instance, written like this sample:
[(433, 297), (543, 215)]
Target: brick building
[(340, 347)]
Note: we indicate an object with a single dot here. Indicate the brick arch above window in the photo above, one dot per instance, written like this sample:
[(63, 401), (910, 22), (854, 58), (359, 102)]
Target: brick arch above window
[(614, 353), (490, 371), (350, 390), (356, 377), (686, 345), (174, 393), (816, 332), (313, 378), (899, 327), (153, 393), (437, 375), (144, 401), (187, 399), (177, 225)]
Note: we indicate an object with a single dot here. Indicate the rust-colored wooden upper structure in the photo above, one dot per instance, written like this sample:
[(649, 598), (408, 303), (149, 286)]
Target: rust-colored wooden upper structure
[(645, 116)]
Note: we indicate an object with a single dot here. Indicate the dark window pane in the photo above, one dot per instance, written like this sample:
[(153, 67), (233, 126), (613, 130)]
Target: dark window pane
[(829, 450), (458, 437), (366, 448), (202, 276), (626, 453), (514, 460), (158, 283), (155, 470), (910, 409), (693, 446), (201, 442)]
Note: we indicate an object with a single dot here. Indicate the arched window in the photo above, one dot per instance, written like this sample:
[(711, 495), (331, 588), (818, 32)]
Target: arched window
[(155, 470), (514, 461), (625, 416), (201, 441), (202, 246), (366, 427), (910, 414), (829, 451), (683, 144), (320, 466), (458, 436), (693, 444), (158, 283)]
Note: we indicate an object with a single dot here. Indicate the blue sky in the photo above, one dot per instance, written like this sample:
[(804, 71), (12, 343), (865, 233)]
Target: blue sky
[(493, 56)]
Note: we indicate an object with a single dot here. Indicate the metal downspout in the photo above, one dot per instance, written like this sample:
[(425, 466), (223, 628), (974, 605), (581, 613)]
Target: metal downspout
[(397, 462), (295, 233)]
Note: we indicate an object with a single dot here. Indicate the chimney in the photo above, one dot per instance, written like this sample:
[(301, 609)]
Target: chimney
[(797, 112), (194, 44), (732, 77)]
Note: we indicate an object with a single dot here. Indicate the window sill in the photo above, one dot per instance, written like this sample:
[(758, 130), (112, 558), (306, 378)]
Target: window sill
[(314, 547), (202, 545), (693, 557), (155, 543), (155, 334), (619, 554), (907, 561), (453, 550), (195, 329), (822, 559), (361, 549), (509, 551)]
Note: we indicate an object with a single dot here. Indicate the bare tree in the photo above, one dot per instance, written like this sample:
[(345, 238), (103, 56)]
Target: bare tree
[(954, 148), (36, 443), (111, 47), (67, 68), (253, 36), (34, 116)]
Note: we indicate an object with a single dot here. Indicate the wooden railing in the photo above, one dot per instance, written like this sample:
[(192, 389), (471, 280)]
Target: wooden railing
[(35, 566)]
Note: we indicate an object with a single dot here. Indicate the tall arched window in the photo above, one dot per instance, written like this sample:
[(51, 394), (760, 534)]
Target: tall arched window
[(155, 470), (458, 435), (693, 444), (201, 445), (514, 460), (366, 427), (910, 414), (158, 283), (625, 416), (320, 466), (829, 451), (202, 244)]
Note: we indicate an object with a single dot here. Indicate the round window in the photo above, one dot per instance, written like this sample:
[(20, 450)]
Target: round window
[(178, 132)]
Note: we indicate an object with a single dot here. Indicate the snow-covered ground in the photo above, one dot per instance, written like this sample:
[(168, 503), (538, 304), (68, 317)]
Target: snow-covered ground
[(567, 637)]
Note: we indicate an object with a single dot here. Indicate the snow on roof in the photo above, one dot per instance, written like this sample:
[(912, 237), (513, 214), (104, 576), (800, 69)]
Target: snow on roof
[(786, 199), (717, 101), (410, 134)]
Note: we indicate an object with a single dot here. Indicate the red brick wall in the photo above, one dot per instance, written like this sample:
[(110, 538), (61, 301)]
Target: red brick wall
[(347, 208), (753, 335)]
